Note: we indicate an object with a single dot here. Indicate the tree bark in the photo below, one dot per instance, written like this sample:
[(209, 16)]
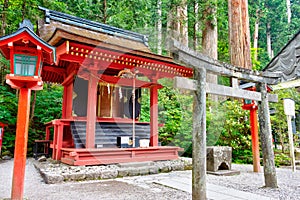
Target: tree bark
[(269, 43), (235, 32), (159, 28), (246, 35), (255, 38), (196, 25), (4, 14), (288, 10), (24, 9), (32, 108), (182, 22), (210, 40), (104, 11), (266, 138), (199, 137)]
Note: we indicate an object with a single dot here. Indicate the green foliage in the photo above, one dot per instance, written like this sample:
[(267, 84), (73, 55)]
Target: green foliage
[(279, 120), (8, 113), (235, 131), (282, 159), (48, 107)]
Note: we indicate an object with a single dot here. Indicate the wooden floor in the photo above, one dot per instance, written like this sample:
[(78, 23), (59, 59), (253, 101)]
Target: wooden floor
[(80, 157)]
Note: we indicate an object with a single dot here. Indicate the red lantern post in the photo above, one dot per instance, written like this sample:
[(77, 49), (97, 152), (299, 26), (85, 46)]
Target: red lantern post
[(252, 107), (26, 51), (1, 134)]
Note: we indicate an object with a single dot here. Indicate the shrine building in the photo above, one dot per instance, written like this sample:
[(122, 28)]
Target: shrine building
[(103, 70)]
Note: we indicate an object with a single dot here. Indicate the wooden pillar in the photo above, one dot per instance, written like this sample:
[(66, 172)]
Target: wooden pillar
[(266, 138), (154, 116), (64, 103), (91, 112), (21, 144), (199, 136), (59, 140), (67, 106)]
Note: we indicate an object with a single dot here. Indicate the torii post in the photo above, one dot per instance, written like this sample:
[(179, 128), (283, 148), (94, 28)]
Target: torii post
[(201, 64)]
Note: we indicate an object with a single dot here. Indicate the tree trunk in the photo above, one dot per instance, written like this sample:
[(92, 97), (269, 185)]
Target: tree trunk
[(24, 10), (185, 32), (210, 40), (104, 11), (246, 35), (32, 108), (159, 28), (269, 44), (235, 32), (288, 10), (182, 22), (266, 138), (4, 13), (255, 38), (196, 25)]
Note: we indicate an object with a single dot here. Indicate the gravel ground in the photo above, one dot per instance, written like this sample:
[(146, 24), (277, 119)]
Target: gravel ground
[(248, 181), (37, 189), (141, 187)]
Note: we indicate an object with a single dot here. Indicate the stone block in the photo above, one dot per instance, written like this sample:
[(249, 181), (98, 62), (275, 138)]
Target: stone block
[(144, 170), (218, 158), (153, 170), (108, 174)]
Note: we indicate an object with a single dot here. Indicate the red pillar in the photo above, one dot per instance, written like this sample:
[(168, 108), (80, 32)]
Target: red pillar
[(67, 106), (21, 144), (154, 116), (254, 136), (91, 112)]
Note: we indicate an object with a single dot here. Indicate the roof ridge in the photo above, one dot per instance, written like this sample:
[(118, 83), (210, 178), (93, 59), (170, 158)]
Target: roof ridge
[(92, 25)]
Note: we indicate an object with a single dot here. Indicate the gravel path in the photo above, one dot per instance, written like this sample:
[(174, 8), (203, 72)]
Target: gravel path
[(143, 187)]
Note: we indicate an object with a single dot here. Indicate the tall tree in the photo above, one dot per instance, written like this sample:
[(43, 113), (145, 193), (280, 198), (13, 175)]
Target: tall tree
[(239, 33), (255, 35), (159, 27), (196, 25), (210, 37), (4, 16), (235, 32), (288, 11)]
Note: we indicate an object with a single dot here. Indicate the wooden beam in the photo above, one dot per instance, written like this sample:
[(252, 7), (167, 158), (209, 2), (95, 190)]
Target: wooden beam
[(191, 58), (62, 49), (190, 84), (57, 70)]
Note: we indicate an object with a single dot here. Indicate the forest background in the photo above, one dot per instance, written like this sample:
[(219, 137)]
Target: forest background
[(272, 23)]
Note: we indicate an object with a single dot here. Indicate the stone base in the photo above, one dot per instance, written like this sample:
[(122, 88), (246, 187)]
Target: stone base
[(224, 172)]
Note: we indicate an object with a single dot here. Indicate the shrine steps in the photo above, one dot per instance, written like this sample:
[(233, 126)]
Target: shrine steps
[(80, 157)]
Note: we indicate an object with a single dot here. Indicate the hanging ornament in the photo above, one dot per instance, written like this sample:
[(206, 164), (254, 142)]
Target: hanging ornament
[(108, 88)]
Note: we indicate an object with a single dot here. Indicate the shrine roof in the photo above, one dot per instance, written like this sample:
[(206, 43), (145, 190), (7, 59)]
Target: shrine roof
[(56, 22), (84, 45), (287, 61)]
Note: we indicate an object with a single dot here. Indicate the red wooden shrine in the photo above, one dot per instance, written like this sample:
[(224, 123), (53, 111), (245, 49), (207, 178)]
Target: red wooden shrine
[(103, 70)]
